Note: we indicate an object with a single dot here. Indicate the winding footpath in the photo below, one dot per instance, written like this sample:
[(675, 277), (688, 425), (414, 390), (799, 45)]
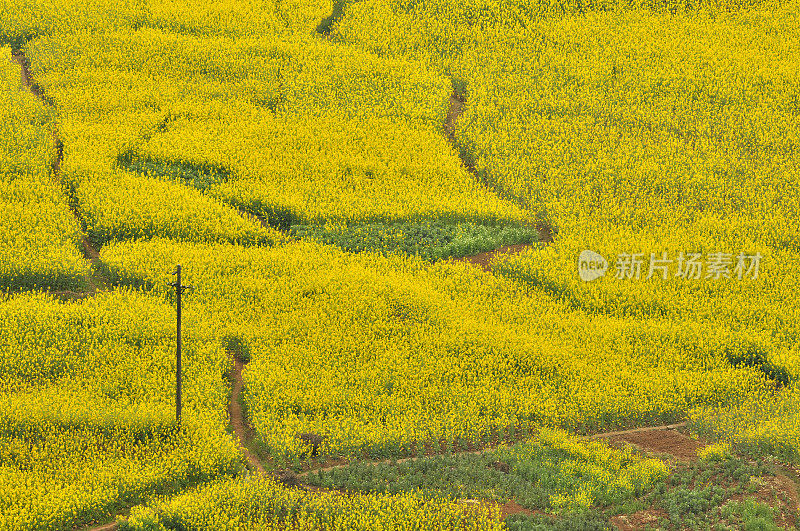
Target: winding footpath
[(484, 260), (95, 279), (240, 428)]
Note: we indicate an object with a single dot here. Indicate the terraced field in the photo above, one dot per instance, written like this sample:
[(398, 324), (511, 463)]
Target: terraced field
[(454, 265)]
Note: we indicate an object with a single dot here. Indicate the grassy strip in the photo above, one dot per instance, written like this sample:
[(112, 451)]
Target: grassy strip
[(430, 240), (554, 472), (590, 487), (199, 175)]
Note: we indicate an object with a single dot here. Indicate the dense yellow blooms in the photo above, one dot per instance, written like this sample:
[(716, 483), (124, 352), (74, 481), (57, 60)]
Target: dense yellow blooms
[(39, 237), (260, 503), (307, 131), (25, 19), (652, 129), (629, 130), (86, 408), (376, 353)]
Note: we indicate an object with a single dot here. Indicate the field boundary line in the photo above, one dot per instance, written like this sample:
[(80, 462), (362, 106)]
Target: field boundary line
[(94, 278), (457, 103), (490, 449), (639, 430)]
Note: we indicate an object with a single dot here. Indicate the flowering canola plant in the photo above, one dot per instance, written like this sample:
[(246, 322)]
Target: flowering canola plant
[(39, 237), (377, 353)]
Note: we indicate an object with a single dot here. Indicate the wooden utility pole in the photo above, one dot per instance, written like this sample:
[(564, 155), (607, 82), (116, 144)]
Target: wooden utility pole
[(178, 291)]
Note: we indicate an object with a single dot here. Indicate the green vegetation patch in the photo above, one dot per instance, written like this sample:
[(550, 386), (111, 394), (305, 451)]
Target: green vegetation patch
[(430, 240), (720, 491), (555, 472), (201, 175)]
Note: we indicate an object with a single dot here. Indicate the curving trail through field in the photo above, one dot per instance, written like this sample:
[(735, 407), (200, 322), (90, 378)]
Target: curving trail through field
[(240, 428), (96, 281), (483, 260)]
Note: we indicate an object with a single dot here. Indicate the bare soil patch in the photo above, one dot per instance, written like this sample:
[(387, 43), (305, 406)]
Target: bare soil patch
[(664, 441), (780, 493), (512, 507), (638, 520), (105, 527), (483, 260)]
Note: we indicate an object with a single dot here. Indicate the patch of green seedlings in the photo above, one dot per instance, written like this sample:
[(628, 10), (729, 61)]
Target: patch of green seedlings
[(200, 175), (590, 520), (714, 493), (467, 476), (554, 472), (430, 240)]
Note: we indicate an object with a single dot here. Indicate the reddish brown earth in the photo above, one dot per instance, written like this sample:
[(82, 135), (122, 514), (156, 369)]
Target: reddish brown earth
[(483, 260), (512, 507), (668, 441), (243, 432), (638, 520), (105, 527), (784, 490)]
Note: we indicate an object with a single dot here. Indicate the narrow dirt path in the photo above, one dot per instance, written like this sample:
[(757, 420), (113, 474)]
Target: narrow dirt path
[(95, 279), (639, 430), (667, 432), (105, 527), (483, 260), (244, 433)]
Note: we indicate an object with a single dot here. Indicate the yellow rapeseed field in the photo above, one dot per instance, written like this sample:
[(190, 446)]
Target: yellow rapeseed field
[(624, 127)]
